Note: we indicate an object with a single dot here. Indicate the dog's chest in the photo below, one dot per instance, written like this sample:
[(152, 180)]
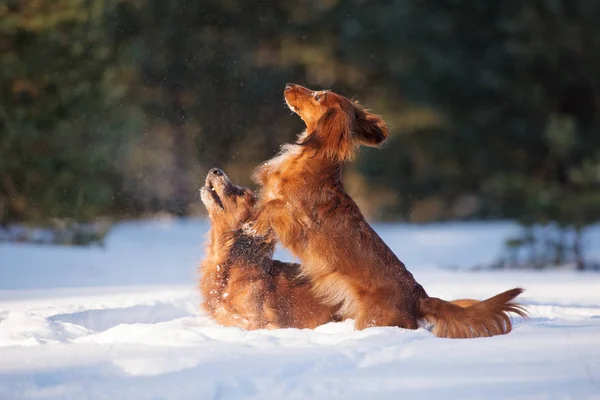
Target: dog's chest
[(279, 176), (273, 188), (279, 185)]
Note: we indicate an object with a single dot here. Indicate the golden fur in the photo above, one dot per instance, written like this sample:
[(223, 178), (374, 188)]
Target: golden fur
[(304, 204), (240, 282)]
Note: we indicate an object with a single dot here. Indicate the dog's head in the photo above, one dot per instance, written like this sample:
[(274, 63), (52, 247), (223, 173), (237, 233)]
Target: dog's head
[(228, 205), (335, 125)]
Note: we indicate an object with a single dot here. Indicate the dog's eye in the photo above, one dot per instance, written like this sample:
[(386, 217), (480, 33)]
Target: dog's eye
[(317, 97)]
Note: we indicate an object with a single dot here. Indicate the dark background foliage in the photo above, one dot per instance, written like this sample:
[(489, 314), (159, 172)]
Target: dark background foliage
[(119, 107)]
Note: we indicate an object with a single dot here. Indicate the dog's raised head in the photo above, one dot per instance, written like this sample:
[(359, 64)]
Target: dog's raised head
[(335, 125), (229, 206)]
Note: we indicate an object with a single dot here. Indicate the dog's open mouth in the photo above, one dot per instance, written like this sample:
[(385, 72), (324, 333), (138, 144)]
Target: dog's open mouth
[(209, 194), (291, 106), (213, 193)]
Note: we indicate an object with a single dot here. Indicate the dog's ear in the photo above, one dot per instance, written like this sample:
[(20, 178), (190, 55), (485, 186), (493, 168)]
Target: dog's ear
[(332, 136), (369, 129)]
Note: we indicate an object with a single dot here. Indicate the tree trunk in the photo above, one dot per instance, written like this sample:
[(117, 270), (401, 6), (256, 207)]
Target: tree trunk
[(578, 249)]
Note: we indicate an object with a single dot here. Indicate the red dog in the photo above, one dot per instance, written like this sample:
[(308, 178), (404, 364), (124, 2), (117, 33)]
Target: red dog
[(241, 283), (304, 203)]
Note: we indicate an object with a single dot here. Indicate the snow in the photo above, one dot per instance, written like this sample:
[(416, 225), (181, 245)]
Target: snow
[(123, 322)]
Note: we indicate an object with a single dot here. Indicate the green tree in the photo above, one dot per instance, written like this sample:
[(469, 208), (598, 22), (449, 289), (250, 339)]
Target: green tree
[(62, 119), (518, 84)]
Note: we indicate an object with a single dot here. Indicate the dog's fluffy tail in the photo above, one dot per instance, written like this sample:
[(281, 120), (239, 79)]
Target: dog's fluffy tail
[(479, 319)]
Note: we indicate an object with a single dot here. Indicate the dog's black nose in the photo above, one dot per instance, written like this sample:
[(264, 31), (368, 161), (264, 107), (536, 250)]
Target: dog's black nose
[(216, 171), (288, 86)]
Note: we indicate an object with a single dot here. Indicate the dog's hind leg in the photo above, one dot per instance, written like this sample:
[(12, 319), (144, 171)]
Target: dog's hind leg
[(384, 315)]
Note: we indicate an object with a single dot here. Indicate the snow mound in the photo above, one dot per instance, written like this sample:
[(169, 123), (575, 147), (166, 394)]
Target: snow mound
[(125, 323)]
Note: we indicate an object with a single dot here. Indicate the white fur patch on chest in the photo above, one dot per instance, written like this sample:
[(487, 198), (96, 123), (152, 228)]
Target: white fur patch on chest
[(287, 152), (272, 189)]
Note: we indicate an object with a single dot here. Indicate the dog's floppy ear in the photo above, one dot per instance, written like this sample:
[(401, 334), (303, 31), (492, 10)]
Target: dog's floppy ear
[(331, 137), (369, 129)]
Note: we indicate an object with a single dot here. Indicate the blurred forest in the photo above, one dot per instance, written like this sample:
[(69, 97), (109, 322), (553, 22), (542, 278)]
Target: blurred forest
[(119, 107)]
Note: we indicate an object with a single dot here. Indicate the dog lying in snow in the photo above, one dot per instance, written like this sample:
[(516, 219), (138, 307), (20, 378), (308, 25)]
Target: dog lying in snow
[(241, 284)]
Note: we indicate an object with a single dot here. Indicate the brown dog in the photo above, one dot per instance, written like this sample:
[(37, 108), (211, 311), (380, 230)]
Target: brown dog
[(241, 284), (304, 203)]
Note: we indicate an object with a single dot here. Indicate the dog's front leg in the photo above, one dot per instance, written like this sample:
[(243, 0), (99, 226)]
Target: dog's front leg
[(260, 225), (274, 218)]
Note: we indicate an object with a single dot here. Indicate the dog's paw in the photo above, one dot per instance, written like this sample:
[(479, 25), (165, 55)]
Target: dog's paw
[(249, 229)]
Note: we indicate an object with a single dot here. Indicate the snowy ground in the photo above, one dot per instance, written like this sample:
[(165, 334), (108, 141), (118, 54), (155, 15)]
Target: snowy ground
[(123, 323)]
